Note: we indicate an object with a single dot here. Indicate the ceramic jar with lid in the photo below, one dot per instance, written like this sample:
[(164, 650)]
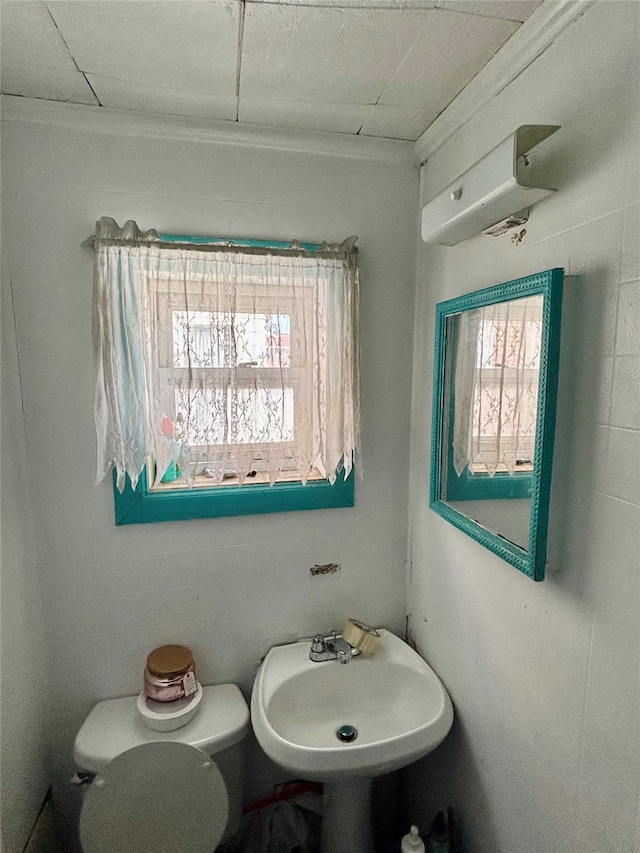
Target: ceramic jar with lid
[(170, 674)]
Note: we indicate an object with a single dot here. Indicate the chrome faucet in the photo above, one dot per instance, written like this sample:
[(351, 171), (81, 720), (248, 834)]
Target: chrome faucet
[(331, 647)]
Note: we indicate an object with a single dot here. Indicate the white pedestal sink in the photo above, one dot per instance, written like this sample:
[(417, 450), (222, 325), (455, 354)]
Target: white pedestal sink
[(393, 699)]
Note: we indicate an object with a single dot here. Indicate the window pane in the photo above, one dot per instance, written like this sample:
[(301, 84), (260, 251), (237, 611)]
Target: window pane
[(508, 364), (201, 414), (261, 415), (237, 416), (218, 339)]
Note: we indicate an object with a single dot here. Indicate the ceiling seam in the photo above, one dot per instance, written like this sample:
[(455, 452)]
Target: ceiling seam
[(77, 67), (239, 64), (95, 94), (477, 14), (145, 83), (391, 79), (371, 109), (348, 6)]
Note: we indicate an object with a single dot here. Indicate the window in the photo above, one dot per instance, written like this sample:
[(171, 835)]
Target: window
[(227, 374), (492, 426)]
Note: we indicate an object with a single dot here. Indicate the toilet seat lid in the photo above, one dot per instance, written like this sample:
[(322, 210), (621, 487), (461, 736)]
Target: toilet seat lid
[(155, 797)]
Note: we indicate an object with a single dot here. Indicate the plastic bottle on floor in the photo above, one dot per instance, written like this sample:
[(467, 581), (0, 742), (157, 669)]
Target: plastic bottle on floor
[(439, 837), (412, 843)]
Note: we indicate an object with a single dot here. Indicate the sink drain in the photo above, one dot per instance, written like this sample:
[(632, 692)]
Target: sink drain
[(347, 734)]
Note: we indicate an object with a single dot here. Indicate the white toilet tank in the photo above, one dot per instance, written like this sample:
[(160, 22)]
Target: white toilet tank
[(114, 727)]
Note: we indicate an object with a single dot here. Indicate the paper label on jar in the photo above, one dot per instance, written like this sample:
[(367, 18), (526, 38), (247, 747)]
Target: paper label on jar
[(189, 683)]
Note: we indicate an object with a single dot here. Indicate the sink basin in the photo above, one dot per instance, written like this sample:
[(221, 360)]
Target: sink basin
[(392, 698)]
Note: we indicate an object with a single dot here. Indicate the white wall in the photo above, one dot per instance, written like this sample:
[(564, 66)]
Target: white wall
[(229, 588), (23, 736), (545, 750)]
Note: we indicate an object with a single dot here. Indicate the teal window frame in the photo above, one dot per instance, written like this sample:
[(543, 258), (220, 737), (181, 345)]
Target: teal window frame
[(482, 487), (143, 505)]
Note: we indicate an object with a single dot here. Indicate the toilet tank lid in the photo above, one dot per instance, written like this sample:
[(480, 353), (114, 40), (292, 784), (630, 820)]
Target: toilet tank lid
[(115, 726)]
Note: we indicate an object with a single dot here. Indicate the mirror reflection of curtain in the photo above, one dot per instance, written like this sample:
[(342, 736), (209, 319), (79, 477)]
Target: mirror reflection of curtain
[(496, 386)]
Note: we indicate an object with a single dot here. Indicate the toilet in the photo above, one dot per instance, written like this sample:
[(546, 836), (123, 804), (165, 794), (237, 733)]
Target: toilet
[(178, 791)]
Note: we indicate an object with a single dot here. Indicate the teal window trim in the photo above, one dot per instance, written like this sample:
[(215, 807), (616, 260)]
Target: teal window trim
[(263, 244), (142, 506), (481, 486)]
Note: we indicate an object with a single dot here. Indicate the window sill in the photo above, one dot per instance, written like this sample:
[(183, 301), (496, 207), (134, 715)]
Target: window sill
[(204, 482), (142, 506), (482, 487)]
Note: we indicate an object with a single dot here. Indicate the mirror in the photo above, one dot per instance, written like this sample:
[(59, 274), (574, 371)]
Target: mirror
[(495, 382)]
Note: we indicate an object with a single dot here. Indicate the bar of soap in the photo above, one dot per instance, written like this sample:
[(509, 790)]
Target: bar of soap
[(360, 636)]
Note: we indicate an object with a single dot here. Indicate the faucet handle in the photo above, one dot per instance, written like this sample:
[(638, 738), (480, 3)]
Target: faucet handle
[(317, 644)]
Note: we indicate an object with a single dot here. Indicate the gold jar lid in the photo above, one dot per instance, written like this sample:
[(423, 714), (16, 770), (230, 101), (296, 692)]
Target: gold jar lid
[(169, 660)]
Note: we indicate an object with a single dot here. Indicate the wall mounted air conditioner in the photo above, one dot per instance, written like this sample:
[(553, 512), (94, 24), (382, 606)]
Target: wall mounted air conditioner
[(498, 186)]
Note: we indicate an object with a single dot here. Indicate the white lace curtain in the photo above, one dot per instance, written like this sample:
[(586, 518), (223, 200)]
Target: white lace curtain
[(224, 357), (496, 386)]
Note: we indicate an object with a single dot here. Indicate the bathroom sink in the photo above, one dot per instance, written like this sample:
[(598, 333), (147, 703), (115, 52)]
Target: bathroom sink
[(392, 698)]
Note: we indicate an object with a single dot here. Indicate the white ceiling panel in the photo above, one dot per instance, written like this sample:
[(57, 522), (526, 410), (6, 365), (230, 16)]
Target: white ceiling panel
[(510, 10), (29, 33), (341, 118), (394, 122), (182, 45), (156, 99), (375, 67), (323, 54), (35, 61), (448, 53), (52, 84)]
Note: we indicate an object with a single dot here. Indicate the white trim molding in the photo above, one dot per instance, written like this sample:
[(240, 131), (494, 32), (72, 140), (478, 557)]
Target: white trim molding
[(110, 121), (525, 45)]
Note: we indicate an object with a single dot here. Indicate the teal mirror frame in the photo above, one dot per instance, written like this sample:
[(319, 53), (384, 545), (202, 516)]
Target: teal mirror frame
[(550, 283)]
